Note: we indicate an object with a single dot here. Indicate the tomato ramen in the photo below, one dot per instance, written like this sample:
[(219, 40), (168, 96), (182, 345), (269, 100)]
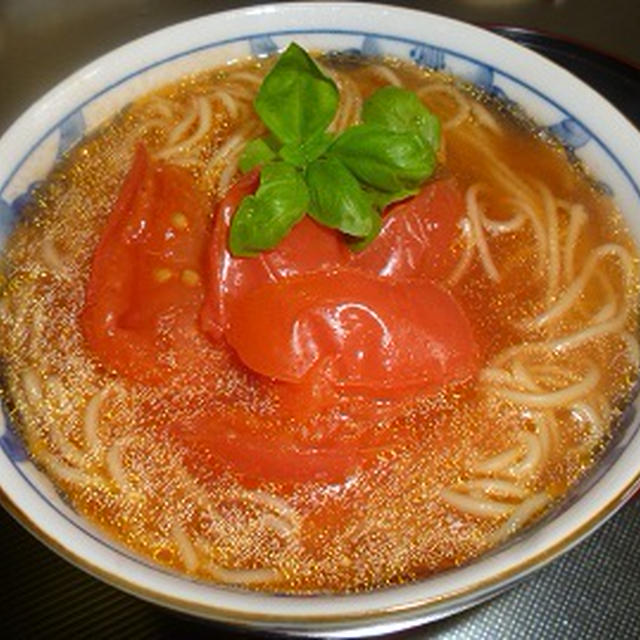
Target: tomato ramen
[(313, 417)]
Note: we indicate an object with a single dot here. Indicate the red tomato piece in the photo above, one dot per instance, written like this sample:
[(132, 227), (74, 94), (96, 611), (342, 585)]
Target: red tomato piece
[(308, 247), (358, 331), (418, 235), (417, 238), (144, 289), (263, 449)]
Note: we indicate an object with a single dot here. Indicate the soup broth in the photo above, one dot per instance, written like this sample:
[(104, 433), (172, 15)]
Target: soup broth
[(541, 265)]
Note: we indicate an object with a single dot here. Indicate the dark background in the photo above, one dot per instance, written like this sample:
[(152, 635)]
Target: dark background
[(591, 592)]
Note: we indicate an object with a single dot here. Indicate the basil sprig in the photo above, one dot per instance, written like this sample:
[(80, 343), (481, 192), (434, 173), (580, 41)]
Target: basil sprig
[(337, 199), (264, 218), (341, 181)]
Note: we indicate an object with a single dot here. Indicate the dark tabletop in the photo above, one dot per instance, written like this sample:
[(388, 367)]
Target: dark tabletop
[(591, 592)]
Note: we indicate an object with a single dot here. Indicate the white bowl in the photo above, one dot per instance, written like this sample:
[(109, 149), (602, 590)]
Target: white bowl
[(600, 135)]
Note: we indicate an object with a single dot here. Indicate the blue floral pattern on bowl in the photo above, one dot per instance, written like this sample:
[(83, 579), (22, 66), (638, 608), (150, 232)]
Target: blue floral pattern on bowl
[(72, 130), (262, 46), (428, 56), (570, 133), (11, 443), (8, 218)]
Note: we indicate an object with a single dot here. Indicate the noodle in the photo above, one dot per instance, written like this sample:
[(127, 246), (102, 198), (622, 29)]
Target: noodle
[(570, 295), (185, 548), (520, 516), (243, 576), (204, 116), (463, 111), (554, 398), (474, 213), (51, 256), (481, 507)]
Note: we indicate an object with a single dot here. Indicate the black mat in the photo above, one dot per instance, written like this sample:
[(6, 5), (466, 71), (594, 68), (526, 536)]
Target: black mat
[(592, 592)]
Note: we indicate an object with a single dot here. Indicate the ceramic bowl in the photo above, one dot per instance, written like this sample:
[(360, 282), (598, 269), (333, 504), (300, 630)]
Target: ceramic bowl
[(576, 114)]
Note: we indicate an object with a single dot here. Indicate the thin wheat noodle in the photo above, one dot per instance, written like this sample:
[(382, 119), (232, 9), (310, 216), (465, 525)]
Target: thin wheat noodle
[(464, 109), (51, 256), (552, 374), (502, 488), (91, 419), (606, 313), (227, 175), (240, 92), (522, 377), (205, 119), (162, 106), (510, 225), (181, 129), (633, 348), (71, 475), (246, 76), (544, 436), (532, 459), (228, 103), (577, 221), (493, 375), (473, 212), (231, 145), (186, 161), (538, 230), (32, 387), (243, 576), (554, 398), (587, 416), (545, 433), (113, 461), (571, 294), (279, 525), (497, 463), (553, 240), (386, 74), (476, 506), (273, 502), (186, 551), (482, 115), (55, 395), (151, 123), (467, 256), (523, 513)]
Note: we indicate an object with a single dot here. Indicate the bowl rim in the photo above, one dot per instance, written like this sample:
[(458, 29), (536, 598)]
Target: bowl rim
[(429, 608)]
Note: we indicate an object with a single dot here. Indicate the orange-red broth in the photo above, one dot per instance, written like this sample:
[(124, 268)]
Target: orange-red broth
[(108, 439)]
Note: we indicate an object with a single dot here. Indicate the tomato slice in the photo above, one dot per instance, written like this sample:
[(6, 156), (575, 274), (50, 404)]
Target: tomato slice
[(359, 331), (145, 289), (335, 337), (263, 449), (418, 236), (308, 247)]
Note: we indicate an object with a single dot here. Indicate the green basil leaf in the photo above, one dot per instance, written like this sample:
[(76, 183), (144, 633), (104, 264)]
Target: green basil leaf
[(358, 244), (401, 110), (296, 100), (265, 218), (385, 159), (301, 155), (255, 153), (337, 199), (382, 199)]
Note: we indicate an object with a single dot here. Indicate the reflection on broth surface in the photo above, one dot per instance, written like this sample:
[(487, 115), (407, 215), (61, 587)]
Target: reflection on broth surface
[(139, 352)]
